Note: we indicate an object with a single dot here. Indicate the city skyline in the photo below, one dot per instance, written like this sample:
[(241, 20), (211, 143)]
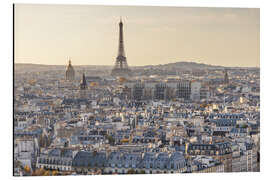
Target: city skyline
[(191, 104), (232, 35)]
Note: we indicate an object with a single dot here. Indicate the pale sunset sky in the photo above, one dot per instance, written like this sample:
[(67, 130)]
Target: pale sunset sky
[(49, 34)]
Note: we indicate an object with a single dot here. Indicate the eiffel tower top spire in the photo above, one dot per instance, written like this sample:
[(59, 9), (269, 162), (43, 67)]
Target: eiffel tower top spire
[(121, 50)]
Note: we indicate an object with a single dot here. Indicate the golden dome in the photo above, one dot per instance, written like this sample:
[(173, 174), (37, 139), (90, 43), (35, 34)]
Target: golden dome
[(70, 73)]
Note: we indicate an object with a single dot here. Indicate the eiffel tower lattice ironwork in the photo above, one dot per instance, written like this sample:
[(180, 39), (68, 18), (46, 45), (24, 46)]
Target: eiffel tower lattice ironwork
[(121, 67)]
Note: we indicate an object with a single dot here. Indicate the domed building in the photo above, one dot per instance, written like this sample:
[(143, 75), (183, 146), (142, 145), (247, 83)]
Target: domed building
[(70, 73)]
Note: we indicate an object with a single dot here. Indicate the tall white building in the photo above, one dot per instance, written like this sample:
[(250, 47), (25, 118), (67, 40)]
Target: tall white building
[(195, 90)]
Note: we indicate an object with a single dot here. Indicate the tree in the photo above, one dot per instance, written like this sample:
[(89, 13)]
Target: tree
[(47, 173), (131, 171), (122, 80), (17, 164), (55, 173), (124, 140), (110, 139), (142, 171), (27, 169), (38, 172), (41, 171), (244, 126)]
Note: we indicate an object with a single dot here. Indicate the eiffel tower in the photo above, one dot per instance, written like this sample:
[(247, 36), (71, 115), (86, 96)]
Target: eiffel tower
[(121, 68)]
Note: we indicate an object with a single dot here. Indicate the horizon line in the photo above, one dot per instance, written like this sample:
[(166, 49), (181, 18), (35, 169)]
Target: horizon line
[(142, 65)]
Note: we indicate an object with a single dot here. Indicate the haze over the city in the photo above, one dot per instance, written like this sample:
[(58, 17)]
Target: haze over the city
[(48, 34)]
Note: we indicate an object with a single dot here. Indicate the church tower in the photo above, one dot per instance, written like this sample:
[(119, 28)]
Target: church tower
[(226, 78), (83, 84), (83, 87)]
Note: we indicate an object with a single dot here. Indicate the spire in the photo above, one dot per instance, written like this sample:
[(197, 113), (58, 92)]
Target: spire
[(226, 77), (121, 50), (83, 84), (69, 61), (84, 81)]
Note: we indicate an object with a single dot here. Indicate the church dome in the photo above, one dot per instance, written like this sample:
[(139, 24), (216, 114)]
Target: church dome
[(70, 73)]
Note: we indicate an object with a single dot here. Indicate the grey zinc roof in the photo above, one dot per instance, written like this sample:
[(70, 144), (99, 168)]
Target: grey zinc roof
[(61, 153), (226, 122), (82, 159)]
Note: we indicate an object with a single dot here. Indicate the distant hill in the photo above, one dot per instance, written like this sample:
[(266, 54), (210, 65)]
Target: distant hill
[(183, 65), (42, 67), (191, 65)]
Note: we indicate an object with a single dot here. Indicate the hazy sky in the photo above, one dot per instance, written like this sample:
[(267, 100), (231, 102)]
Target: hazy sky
[(48, 34)]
